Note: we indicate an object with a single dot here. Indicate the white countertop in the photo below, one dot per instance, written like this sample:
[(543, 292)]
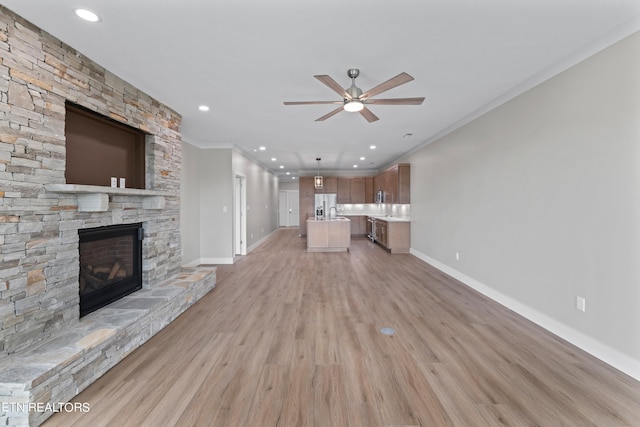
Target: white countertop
[(377, 216), (391, 218), (336, 219)]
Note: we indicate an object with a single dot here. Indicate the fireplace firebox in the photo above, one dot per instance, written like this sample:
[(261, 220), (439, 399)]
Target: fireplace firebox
[(110, 264)]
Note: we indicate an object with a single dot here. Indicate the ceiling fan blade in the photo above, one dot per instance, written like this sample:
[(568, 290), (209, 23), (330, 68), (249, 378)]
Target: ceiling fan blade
[(368, 115), (333, 85), (396, 101), (398, 80), (312, 102), (331, 114)]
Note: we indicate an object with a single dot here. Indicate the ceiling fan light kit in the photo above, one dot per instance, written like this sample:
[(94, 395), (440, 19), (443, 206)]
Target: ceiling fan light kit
[(354, 100), (353, 106)]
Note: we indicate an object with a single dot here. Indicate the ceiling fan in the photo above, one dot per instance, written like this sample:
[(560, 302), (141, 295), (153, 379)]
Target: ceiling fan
[(354, 100)]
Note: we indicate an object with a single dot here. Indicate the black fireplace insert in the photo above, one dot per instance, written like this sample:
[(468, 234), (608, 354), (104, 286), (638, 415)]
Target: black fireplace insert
[(110, 264)]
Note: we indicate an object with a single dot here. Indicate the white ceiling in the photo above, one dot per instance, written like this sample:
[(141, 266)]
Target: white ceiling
[(243, 58)]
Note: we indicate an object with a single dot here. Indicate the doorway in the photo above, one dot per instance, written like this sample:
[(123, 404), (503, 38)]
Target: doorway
[(288, 208)]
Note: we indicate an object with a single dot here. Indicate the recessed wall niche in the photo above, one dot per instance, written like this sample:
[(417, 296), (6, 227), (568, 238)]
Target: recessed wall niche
[(99, 148)]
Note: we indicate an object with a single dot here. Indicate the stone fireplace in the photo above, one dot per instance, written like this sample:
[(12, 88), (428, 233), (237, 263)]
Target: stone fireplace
[(49, 354)]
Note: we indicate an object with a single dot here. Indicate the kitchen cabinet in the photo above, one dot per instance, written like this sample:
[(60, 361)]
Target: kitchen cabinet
[(395, 182), (358, 225), (391, 185), (404, 183), (381, 233), (368, 190), (329, 185), (357, 192), (328, 235), (344, 190), (395, 236), (306, 186), (377, 184)]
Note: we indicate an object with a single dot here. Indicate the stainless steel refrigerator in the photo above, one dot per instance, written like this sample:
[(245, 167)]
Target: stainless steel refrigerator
[(324, 204)]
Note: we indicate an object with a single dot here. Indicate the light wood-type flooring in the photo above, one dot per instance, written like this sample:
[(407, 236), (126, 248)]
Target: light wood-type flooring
[(290, 338)]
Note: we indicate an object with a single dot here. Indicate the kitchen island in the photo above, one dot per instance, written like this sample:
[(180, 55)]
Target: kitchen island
[(328, 235)]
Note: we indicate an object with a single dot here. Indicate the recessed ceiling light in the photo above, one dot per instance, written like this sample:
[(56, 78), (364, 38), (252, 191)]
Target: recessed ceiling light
[(87, 15), (355, 166), (361, 158), (281, 167), (293, 177), (288, 173), (262, 148), (372, 147), (203, 108), (273, 159)]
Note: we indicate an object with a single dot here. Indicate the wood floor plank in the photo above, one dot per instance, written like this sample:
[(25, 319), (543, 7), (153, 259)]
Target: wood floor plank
[(296, 408), (329, 397), (289, 338)]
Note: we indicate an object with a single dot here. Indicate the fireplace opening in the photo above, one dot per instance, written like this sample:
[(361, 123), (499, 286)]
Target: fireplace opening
[(110, 264)]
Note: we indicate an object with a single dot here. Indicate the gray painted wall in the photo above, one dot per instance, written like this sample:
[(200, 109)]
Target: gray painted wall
[(207, 203), (541, 199), (216, 205), (262, 199), (190, 204), (289, 185)]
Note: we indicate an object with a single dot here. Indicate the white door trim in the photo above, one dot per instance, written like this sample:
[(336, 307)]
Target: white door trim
[(240, 213)]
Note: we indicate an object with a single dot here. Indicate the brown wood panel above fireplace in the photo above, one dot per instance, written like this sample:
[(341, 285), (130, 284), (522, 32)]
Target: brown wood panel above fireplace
[(99, 148)]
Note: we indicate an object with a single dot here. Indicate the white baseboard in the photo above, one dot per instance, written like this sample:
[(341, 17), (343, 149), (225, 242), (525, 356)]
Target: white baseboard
[(208, 261), (261, 241), (607, 354), (220, 261)]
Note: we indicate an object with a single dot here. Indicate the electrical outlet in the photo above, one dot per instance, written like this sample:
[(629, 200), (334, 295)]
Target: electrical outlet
[(581, 304)]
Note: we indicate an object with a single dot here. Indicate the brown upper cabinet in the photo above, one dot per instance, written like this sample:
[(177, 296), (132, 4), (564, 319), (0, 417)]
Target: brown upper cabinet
[(358, 190), (344, 190), (368, 190), (329, 185), (306, 186), (395, 182)]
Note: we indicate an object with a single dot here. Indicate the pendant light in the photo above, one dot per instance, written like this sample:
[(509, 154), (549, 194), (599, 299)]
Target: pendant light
[(317, 180)]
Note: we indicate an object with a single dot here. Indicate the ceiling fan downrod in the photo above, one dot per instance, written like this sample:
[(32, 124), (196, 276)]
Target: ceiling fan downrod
[(354, 90)]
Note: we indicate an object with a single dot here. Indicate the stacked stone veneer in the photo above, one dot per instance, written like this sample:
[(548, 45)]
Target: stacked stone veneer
[(39, 259)]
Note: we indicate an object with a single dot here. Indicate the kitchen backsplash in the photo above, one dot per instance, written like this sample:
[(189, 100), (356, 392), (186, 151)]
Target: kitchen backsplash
[(375, 209)]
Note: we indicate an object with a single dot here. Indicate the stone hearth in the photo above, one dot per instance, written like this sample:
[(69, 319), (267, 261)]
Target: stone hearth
[(57, 369)]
